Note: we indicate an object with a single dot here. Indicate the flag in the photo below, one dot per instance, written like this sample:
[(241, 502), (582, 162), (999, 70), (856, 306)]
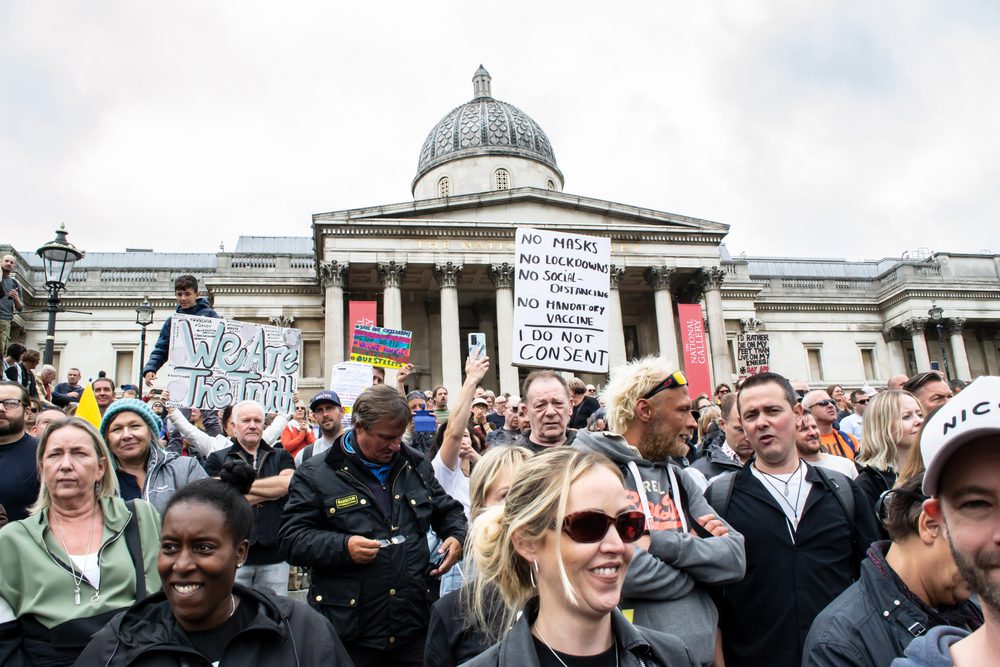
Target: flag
[(87, 408)]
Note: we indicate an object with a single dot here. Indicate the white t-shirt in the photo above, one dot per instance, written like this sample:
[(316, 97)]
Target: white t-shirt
[(798, 491), (852, 424), (90, 567), (837, 463), (454, 482)]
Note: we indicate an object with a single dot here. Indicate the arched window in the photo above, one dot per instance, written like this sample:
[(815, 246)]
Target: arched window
[(501, 179), (550, 184), (444, 187)]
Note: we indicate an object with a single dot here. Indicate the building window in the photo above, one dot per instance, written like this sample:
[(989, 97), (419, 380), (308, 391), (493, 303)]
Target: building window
[(444, 187), (868, 363), (123, 367), (312, 357), (501, 179), (815, 358), (550, 184)]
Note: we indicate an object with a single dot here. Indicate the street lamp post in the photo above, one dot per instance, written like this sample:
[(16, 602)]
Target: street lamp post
[(143, 317), (58, 257), (936, 314)]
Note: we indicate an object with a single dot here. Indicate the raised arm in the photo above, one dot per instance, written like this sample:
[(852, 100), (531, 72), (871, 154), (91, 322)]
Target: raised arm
[(203, 442), (475, 370)]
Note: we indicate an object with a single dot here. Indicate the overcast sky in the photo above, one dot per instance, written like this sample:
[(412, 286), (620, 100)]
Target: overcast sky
[(826, 128)]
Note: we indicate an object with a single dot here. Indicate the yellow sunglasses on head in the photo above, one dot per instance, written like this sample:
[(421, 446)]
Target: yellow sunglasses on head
[(675, 379)]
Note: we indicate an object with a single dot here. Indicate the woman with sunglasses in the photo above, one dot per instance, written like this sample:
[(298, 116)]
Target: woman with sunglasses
[(914, 576), (557, 551), (892, 425), (298, 434)]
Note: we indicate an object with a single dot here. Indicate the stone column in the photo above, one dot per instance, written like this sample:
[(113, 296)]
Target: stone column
[(502, 276), (958, 353), (616, 332), (666, 329), (333, 276), (721, 361), (988, 340), (915, 327), (391, 274), (897, 356), (451, 351)]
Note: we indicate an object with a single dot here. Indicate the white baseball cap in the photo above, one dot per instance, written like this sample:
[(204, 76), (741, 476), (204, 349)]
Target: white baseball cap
[(971, 414)]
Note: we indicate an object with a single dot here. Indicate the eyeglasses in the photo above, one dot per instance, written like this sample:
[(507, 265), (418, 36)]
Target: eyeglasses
[(33, 410), (591, 526), (675, 379), (723, 392), (10, 403), (861, 401), (824, 403)]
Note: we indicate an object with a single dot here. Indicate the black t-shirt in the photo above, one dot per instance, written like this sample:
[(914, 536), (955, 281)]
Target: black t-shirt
[(212, 643), (547, 659), (18, 477)]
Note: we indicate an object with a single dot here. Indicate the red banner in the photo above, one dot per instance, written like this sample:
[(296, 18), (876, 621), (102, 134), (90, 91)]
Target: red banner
[(696, 356), (360, 312)]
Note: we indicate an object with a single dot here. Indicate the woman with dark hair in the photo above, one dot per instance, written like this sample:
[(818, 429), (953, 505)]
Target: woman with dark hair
[(907, 586), (202, 616)]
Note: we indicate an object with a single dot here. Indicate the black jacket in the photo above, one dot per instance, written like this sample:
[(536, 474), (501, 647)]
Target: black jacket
[(267, 516), (581, 413), (713, 462), (873, 483), (765, 618), (450, 641), (284, 632), (643, 647), (387, 601), (872, 622)]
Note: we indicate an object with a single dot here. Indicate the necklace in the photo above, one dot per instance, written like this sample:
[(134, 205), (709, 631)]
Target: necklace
[(798, 494), (232, 606), (77, 580), (561, 661)]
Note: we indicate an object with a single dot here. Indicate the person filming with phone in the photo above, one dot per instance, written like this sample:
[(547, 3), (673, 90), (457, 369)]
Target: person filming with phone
[(358, 515)]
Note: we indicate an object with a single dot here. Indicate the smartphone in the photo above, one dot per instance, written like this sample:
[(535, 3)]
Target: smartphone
[(477, 345)]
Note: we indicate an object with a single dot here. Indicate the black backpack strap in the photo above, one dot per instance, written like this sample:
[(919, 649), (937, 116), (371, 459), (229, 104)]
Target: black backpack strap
[(844, 494), (134, 545), (307, 453), (720, 491)]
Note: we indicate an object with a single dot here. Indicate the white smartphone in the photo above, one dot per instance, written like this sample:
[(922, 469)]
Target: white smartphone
[(477, 345)]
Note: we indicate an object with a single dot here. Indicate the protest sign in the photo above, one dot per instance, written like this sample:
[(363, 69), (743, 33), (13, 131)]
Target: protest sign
[(388, 348), (215, 363), (695, 351), (360, 312), (753, 354), (561, 300), (349, 379)]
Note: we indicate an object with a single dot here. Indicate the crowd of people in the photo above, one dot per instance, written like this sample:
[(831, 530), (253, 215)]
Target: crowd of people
[(765, 524)]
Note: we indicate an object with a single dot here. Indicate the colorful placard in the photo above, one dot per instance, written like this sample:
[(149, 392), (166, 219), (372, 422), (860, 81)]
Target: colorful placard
[(387, 348)]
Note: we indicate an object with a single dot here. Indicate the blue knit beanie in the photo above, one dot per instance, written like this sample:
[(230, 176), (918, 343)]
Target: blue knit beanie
[(136, 406)]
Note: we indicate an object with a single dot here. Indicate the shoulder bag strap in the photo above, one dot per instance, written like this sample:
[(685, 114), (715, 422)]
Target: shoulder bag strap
[(134, 545)]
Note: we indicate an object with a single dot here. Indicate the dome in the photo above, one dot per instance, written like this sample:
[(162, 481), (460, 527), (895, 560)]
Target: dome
[(485, 126)]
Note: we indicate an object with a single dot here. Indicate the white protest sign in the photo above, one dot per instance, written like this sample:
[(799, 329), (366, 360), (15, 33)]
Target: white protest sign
[(561, 300), (349, 379), (753, 354), (215, 363)]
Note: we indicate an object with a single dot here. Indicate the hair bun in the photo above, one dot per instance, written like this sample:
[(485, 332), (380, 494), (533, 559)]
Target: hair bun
[(238, 475)]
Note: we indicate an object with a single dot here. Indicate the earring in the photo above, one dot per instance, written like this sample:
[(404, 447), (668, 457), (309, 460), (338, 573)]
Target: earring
[(239, 565), (531, 575)]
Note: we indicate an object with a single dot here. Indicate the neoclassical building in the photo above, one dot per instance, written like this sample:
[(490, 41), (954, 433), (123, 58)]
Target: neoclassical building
[(441, 265)]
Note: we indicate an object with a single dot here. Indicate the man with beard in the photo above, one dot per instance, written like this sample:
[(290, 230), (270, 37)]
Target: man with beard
[(959, 445), (328, 413), (18, 471), (806, 531), (547, 406), (810, 448), (688, 548)]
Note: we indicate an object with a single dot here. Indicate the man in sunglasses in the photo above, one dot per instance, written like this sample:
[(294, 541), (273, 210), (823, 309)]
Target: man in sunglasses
[(688, 548), (806, 529), (833, 440), (18, 472), (851, 424)]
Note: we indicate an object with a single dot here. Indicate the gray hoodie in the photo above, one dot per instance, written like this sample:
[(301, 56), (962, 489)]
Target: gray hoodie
[(932, 649), (666, 586)]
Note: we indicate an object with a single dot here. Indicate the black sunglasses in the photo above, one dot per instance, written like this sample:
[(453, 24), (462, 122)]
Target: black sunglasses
[(675, 379), (591, 526), (825, 403)]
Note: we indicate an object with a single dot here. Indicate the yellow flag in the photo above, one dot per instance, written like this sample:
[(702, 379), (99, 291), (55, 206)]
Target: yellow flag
[(87, 408)]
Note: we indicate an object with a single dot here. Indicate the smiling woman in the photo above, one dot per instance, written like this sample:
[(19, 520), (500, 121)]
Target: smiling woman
[(205, 539), (558, 550)]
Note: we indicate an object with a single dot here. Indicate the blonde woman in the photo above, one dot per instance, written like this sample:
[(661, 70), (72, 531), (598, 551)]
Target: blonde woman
[(892, 425), (557, 551), (451, 639)]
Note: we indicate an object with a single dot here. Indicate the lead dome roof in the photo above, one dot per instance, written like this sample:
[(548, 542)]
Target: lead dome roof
[(485, 126)]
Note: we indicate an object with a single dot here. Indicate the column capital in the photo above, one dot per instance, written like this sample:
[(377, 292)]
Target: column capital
[(713, 277), (616, 275), (447, 274), (284, 321), (502, 275), (956, 325), (891, 334), (915, 325), (659, 276), (333, 274), (391, 273), (751, 325)]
